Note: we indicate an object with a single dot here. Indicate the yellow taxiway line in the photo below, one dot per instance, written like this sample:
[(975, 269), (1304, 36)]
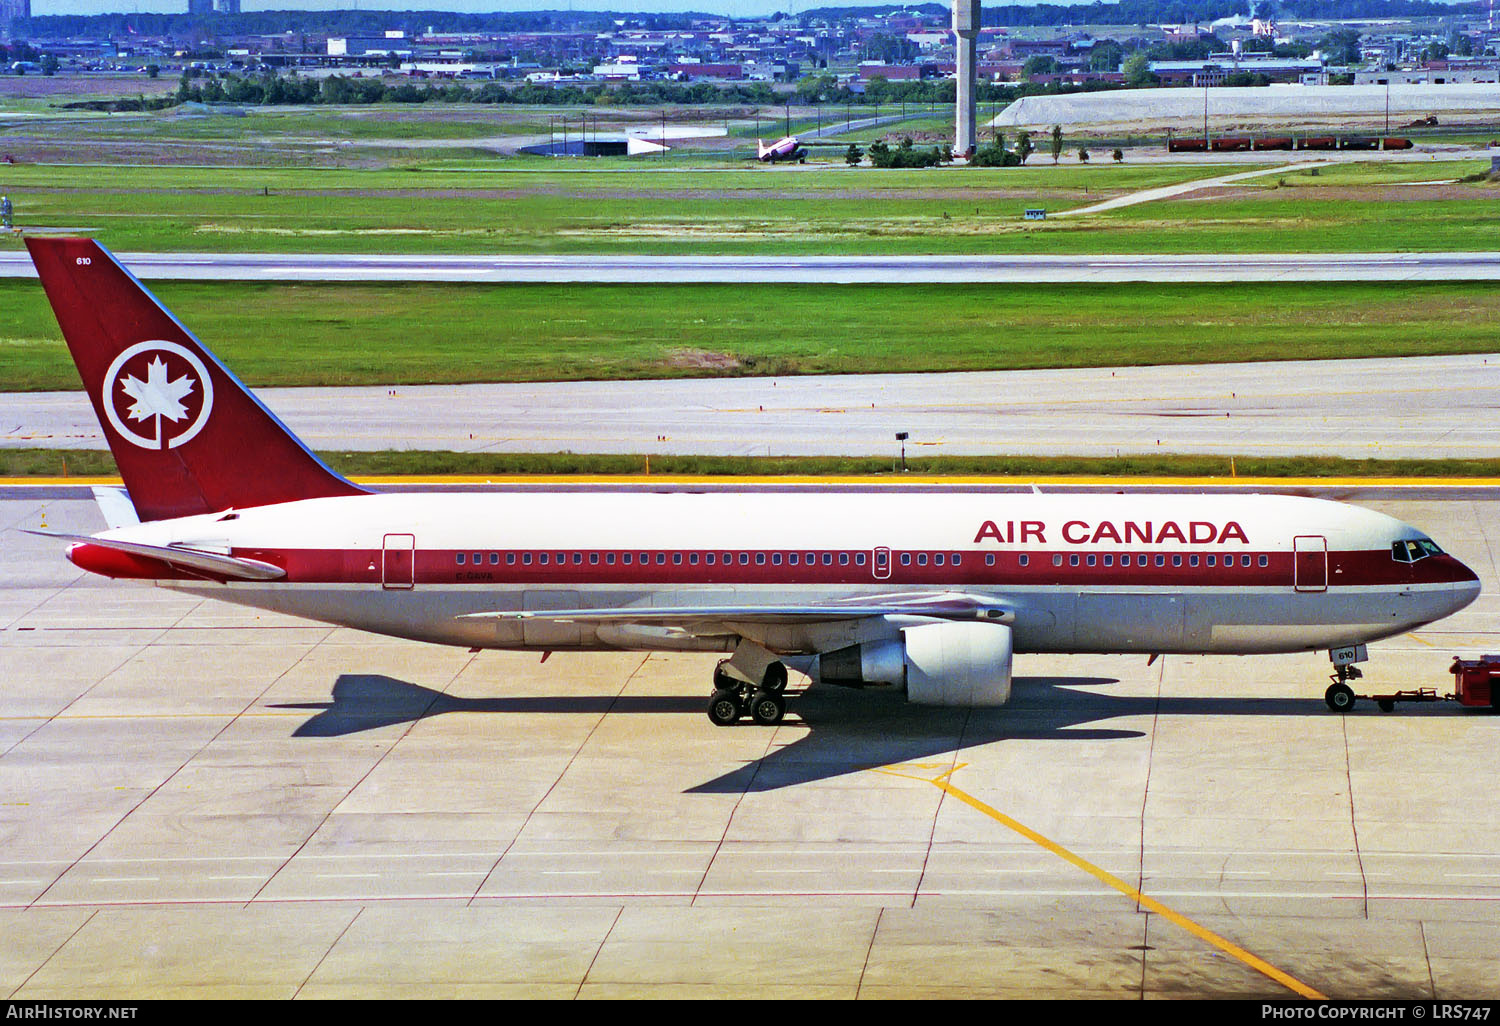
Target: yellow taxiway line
[(1103, 876)]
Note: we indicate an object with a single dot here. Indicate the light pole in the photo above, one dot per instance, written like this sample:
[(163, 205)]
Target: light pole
[(902, 436)]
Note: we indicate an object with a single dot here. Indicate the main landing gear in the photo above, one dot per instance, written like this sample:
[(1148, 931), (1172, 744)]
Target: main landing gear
[(765, 703)]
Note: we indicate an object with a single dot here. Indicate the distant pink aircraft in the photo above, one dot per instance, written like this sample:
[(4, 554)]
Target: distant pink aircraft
[(787, 148)]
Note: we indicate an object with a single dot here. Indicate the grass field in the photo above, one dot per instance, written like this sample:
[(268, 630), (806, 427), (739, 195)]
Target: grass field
[(336, 334), (540, 205), (91, 463)]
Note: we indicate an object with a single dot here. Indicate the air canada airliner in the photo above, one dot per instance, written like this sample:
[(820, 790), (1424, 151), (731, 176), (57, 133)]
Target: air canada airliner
[(931, 594)]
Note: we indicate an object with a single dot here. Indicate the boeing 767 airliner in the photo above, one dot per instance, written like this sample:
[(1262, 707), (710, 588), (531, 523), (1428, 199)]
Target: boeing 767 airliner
[(932, 594)]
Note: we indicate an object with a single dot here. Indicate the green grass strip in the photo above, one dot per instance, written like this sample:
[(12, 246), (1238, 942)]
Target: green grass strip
[(292, 334), (23, 463)]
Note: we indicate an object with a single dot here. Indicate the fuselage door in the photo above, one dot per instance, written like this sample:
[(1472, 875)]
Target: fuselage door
[(1310, 562), (398, 562), (880, 565)]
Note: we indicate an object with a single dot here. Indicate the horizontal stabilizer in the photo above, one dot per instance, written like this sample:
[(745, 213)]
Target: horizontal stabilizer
[(115, 505), (194, 560)]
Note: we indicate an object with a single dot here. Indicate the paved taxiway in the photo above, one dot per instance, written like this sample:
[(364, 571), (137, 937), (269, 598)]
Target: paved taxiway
[(1406, 408), (1239, 267), (198, 800)]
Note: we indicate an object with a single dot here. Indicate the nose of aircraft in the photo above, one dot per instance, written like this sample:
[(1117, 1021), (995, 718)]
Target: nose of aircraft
[(1464, 585)]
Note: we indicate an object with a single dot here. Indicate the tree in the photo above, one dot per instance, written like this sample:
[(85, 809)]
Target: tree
[(1341, 46), (1119, 155), (1056, 143), (1024, 148), (49, 64), (1138, 71), (853, 155), (1083, 155), (1106, 56), (1041, 64)]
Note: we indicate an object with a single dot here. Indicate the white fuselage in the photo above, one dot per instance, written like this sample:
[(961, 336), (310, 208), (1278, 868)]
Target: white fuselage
[(1081, 573)]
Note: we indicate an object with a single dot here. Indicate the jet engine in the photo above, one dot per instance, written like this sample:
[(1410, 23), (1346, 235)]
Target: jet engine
[(962, 664)]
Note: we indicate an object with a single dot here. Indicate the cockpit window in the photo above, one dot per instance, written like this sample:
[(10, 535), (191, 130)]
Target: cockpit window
[(1414, 549)]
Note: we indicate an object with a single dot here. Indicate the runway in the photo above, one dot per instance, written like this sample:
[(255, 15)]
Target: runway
[(1238, 267), (1397, 408), (201, 801)]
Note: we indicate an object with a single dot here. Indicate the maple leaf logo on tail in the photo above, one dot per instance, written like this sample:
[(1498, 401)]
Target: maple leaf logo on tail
[(158, 396)]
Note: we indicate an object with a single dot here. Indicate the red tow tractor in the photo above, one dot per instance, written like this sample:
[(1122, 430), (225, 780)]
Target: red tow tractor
[(1476, 685)]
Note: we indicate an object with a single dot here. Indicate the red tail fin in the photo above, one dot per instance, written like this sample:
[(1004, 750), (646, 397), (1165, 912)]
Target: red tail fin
[(187, 436)]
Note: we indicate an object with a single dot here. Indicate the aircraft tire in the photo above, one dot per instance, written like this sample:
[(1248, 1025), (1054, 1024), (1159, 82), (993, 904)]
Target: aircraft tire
[(1340, 697), (775, 679), (767, 708), (724, 708), (722, 680)]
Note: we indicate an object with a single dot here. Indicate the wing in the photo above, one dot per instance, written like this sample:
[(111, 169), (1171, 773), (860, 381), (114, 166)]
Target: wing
[(722, 619)]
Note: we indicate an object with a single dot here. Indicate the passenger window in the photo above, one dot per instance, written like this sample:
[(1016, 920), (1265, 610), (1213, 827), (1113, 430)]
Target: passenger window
[(593, 559), (1093, 560), (906, 559), (494, 559), (1057, 559), (1161, 560), (459, 558), (609, 558), (526, 559), (775, 559), (676, 559), (578, 559), (859, 559), (1109, 560), (1176, 560), (661, 559), (1192, 561), (937, 560), (510, 559), (1244, 561), (1264, 560), (791, 559), (828, 559), (921, 559), (989, 559), (1025, 560), (844, 559), (693, 559), (760, 559), (542, 559)]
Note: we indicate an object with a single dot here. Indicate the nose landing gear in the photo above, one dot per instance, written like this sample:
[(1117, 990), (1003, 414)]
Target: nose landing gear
[(1340, 696)]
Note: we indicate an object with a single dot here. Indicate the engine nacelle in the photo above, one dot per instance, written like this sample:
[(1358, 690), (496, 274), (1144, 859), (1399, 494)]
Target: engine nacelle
[(962, 664)]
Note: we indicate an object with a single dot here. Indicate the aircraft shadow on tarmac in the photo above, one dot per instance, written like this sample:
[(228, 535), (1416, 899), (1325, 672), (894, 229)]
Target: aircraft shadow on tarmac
[(848, 730)]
